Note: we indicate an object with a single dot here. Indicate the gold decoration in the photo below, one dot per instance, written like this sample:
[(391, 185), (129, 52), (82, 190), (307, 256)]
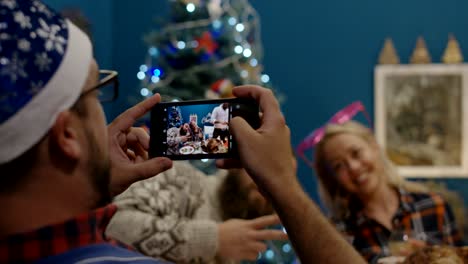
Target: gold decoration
[(388, 55), (452, 53), (420, 54)]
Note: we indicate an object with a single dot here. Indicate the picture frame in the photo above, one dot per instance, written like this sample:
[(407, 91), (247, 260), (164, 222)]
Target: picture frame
[(421, 118)]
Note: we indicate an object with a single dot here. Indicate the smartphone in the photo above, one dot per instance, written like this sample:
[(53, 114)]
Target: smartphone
[(198, 129)]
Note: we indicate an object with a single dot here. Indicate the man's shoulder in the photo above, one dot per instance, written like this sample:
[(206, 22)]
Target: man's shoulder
[(182, 180), (100, 253), (180, 171)]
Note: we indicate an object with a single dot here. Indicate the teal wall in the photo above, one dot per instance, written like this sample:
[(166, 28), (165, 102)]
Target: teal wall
[(321, 54), (100, 13)]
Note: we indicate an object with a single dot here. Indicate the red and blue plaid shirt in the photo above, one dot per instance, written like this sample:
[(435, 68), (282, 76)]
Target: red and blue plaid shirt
[(426, 215), (86, 229)]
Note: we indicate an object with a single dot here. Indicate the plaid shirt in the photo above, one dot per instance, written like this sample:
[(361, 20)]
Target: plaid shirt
[(427, 215), (86, 229)]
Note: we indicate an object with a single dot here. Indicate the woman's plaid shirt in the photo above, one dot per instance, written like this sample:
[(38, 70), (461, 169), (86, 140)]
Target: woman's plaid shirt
[(427, 215)]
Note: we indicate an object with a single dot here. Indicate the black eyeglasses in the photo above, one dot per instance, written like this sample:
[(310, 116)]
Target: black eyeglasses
[(108, 86)]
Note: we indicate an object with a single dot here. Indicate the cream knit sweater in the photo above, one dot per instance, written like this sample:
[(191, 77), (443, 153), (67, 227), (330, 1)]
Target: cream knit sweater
[(172, 216)]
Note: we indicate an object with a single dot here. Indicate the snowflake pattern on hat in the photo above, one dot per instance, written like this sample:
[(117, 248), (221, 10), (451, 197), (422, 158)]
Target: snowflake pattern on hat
[(33, 41)]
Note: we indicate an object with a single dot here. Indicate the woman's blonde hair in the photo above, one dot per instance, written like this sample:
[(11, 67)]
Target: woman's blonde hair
[(335, 198)]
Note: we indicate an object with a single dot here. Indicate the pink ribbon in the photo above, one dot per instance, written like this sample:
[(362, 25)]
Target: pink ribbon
[(339, 117)]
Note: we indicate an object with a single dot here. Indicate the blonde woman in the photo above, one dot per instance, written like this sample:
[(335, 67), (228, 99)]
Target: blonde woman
[(368, 200)]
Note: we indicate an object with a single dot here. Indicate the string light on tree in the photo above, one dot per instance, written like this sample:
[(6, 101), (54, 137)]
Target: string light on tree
[(153, 51), (190, 7), (144, 92), (143, 68), (141, 75)]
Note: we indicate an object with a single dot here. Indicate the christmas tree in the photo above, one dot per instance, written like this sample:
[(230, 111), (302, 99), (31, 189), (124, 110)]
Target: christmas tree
[(175, 117), (202, 50)]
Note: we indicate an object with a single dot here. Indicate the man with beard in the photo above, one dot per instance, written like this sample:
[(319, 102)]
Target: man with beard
[(59, 162)]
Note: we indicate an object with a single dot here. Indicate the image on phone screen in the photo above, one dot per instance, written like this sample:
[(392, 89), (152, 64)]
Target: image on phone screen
[(197, 129)]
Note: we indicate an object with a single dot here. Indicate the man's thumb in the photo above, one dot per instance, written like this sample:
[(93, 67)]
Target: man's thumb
[(241, 130)]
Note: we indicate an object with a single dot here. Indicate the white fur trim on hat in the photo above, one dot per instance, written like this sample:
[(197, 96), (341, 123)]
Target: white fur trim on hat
[(24, 129)]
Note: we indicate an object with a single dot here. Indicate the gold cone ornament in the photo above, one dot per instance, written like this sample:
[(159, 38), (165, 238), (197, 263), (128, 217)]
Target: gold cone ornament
[(452, 53), (388, 54), (420, 54)]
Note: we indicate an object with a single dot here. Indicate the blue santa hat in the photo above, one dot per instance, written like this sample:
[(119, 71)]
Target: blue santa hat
[(44, 63)]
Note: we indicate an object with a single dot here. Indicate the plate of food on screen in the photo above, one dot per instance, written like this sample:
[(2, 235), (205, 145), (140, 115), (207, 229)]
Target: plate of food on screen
[(185, 150), (214, 145)]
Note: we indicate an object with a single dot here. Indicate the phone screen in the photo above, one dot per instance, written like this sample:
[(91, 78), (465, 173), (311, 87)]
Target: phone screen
[(198, 129)]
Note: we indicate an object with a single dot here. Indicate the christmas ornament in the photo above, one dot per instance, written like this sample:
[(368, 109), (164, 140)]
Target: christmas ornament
[(206, 43), (220, 89)]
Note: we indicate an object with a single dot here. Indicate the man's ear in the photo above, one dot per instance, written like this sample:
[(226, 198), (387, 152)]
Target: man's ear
[(65, 135)]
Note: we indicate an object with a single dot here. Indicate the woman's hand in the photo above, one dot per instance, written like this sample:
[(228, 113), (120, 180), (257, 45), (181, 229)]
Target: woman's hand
[(245, 239)]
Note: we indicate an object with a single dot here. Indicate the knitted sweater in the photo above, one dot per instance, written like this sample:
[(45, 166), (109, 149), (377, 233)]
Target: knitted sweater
[(173, 215)]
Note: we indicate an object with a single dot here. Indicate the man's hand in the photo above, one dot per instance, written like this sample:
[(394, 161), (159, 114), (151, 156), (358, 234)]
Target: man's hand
[(265, 153), (244, 239), (128, 149)]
